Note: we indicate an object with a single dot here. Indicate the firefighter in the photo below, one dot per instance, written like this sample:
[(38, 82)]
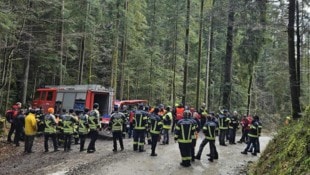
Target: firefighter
[(253, 136), (94, 126), (167, 121), (209, 132), (19, 127), (223, 126), (232, 127), (203, 114), (140, 123), (184, 133), (156, 125), (75, 127), (68, 127), (116, 124), (196, 123), (50, 129), (126, 126), (83, 128)]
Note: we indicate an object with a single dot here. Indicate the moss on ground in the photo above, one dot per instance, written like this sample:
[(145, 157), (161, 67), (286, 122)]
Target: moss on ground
[(288, 152)]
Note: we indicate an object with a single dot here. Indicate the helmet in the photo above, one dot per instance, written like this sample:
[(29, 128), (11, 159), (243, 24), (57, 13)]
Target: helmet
[(50, 110), (96, 105), (187, 114)]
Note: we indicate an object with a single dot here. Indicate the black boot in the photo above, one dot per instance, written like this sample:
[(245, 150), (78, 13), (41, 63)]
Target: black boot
[(135, 147)]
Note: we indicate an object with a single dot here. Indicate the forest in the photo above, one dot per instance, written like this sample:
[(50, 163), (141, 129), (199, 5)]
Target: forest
[(252, 56)]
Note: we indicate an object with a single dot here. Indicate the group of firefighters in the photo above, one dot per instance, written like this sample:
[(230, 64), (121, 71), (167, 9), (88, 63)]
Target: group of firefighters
[(153, 123)]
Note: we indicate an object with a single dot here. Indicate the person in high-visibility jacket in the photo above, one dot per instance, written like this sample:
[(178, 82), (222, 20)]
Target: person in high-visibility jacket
[(223, 126), (94, 126), (196, 123), (155, 124), (83, 128), (184, 133), (140, 123), (50, 129), (209, 132), (167, 121), (253, 136), (116, 124), (68, 127)]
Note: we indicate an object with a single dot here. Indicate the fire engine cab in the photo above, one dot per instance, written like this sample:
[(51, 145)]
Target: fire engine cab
[(75, 97)]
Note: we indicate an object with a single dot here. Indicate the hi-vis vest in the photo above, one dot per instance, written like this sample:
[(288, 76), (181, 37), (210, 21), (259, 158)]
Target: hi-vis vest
[(68, 124), (83, 122), (117, 121), (93, 119), (167, 120), (50, 125)]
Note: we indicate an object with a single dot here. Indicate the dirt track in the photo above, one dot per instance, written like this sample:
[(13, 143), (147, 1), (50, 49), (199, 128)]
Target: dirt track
[(127, 162)]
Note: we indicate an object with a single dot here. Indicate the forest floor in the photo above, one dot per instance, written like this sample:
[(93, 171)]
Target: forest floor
[(105, 161)]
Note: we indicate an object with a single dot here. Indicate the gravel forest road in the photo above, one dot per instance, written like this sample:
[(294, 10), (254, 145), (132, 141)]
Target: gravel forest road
[(104, 161)]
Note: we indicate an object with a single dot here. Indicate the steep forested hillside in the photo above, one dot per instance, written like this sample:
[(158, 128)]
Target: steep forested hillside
[(289, 151)]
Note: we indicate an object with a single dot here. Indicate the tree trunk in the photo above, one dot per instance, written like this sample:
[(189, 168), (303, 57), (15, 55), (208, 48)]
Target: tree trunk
[(298, 49), (186, 53), (175, 46), (292, 63), (228, 58), (61, 43), (199, 55), (82, 46), (115, 51), (209, 61), (124, 53), (249, 94)]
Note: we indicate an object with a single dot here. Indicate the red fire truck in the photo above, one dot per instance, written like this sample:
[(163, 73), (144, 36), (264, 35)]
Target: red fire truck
[(75, 97)]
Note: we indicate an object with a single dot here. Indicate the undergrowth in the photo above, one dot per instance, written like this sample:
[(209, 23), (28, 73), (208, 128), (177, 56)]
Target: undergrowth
[(288, 152)]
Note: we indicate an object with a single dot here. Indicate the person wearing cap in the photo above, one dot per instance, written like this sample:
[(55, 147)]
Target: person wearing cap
[(69, 121), (223, 126), (30, 130), (140, 124), (94, 126), (167, 121), (184, 133), (232, 127), (209, 132), (83, 128), (116, 124), (155, 124), (203, 112), (50, 129)]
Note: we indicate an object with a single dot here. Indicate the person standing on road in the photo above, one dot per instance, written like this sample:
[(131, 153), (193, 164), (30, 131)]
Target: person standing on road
[(156, 125), (167, 121), (140, 123), (232, 127), (94, 126), (50, 129), (245, 129), (83, 128), (30, 130), (209, 132), (68, 125), (116, 124), (184, 133), (203, 112), (223, 126), (253, 136), (12, 119), (19, 127)]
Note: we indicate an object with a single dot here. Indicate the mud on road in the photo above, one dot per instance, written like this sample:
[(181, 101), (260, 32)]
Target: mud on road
[(105, 161)]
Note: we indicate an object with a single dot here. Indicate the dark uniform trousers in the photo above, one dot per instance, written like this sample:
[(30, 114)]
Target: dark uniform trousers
[(213, 151), (67, 143), (46, 137), (222, 136), (154, 142), (185, 150), (138, 140), (82, 141), (93, 134), (117, 135)]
